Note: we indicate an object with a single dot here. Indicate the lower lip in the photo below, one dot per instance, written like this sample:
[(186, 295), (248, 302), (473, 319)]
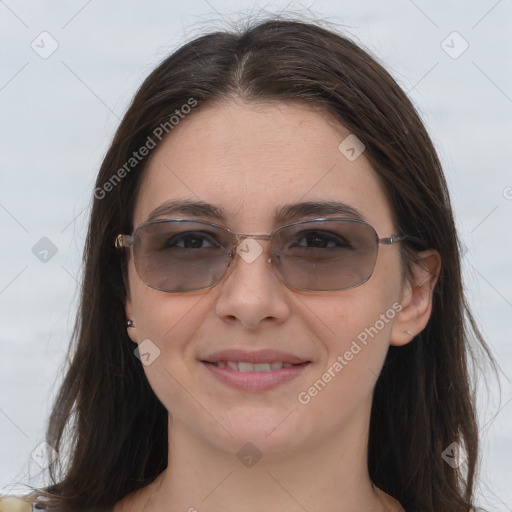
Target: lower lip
[(255, 381)]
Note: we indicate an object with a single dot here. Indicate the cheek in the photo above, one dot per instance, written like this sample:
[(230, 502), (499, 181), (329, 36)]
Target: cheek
[(168, 320), (161, 316), (355, 353), (165, 323), (360, 328), (363, 314), (355, 328)]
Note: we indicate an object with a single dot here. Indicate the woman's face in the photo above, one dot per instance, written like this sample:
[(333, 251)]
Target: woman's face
[(249, 160)]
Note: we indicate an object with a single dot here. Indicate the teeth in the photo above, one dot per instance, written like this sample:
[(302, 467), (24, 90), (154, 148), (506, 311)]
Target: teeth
[(262, 367), (243, 366)]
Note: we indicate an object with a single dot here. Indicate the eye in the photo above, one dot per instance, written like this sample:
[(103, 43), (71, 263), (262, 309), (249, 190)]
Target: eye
[(321, 240), (192, 240)]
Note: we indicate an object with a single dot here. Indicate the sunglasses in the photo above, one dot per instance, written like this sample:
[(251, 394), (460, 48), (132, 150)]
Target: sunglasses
[(326, 254)]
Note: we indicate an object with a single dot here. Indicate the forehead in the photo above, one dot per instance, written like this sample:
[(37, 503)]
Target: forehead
[(252, 159)]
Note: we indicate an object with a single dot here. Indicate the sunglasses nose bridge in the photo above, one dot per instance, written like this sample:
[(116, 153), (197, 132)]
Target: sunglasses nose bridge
[(239, 238)]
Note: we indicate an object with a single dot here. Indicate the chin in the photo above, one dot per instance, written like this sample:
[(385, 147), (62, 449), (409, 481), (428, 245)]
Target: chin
[(273, 431)]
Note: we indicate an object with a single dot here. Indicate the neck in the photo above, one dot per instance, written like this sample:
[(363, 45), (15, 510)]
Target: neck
[(327, 477)]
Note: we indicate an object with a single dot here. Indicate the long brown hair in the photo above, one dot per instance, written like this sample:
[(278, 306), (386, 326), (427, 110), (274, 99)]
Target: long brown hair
[(107, 424)]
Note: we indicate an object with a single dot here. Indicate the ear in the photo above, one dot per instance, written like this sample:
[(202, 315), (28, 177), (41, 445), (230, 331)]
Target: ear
[(128, 308), (416, 298)]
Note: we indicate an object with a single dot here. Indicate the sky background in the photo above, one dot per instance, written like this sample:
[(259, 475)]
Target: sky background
[(68, 72)]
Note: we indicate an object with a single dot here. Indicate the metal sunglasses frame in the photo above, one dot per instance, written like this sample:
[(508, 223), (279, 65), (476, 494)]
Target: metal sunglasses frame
[(124, 241)]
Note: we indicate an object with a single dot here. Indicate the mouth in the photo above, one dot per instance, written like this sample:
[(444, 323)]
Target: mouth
[(244, 366), (254, 371)]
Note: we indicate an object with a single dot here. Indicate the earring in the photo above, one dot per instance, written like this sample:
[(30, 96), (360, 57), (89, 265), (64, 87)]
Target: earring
[(409, 333), (129, 324)]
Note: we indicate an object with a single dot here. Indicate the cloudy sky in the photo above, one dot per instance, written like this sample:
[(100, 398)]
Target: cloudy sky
[(68, 71)]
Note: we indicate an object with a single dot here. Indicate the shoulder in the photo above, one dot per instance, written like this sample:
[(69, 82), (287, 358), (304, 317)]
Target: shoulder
[(30, 503)]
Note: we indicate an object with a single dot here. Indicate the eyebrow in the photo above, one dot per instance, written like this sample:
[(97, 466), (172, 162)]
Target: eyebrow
[(282, 215)]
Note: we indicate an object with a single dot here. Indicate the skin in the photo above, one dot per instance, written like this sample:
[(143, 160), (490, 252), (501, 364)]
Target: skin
[(249, 159)]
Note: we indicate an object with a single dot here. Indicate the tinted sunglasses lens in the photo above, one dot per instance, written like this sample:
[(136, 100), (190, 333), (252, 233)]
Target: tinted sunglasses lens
[(181, 256), (325, 255)]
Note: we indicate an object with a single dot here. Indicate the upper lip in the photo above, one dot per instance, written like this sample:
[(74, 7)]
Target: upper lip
[(255, 357)]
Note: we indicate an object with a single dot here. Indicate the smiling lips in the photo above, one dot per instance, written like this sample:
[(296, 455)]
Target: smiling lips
[(243, 366), (254, 371)]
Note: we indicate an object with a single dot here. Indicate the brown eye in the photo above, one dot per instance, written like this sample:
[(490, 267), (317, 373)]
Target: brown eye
[(320, 240), (192, 240)]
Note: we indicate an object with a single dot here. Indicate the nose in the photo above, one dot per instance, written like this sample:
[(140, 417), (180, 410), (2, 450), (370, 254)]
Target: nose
[(250, 292)]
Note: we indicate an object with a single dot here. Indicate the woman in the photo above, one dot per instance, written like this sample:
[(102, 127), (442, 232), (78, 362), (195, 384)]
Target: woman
[(272, 315)]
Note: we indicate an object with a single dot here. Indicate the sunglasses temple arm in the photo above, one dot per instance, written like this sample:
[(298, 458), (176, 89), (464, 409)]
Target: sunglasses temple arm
[(403, 238), (123, 241)]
